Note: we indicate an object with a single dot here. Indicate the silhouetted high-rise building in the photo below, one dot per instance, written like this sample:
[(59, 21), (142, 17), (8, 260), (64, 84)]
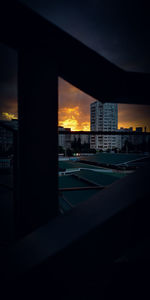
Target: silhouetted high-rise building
[(104, 117)]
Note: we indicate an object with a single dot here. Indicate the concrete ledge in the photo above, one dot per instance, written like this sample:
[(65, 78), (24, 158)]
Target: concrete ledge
[(97, 230)]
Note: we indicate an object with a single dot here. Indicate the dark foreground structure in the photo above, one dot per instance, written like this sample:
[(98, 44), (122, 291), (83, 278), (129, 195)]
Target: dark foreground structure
[(102, 244)]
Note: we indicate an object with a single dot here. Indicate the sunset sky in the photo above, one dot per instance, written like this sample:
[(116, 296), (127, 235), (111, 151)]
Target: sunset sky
[(74, 110)]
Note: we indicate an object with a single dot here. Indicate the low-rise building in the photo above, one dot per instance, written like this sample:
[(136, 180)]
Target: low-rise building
[(6, 135), (64, 140)]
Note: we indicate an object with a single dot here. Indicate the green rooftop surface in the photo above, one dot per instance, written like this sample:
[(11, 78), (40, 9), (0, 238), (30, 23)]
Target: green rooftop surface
[(68, 164), (76, 197), (69, 181), (99, 178), (114, 158)]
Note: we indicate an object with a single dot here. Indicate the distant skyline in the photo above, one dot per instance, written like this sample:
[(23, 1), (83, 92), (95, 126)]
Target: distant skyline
[(74, 110)]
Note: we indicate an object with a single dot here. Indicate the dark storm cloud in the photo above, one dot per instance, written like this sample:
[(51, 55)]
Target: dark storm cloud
[(118, 30)]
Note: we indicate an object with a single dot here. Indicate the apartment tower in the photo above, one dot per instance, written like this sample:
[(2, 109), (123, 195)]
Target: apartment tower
[(104, 117)]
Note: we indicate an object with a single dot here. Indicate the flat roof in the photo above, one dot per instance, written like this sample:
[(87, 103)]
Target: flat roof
[(115, 158), (83, 178)]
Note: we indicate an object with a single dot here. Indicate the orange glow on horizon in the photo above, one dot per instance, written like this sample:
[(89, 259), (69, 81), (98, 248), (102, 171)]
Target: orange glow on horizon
[(8, 116), (85, 126), (74, 110), (70, 117), (74, 118), (133, 125)]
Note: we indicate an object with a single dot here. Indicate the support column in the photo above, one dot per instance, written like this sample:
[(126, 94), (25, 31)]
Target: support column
[(37, 200)]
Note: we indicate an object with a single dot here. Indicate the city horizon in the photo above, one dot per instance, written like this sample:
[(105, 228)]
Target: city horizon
[(74, 110), (9, 117)]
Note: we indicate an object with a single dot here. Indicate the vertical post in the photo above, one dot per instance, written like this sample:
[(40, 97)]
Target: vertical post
[(38, 146)]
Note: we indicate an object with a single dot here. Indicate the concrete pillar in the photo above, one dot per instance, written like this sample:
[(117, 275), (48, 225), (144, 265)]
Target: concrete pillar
[(37, 200)]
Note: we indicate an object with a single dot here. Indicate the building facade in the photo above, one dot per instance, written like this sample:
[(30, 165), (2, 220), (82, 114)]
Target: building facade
[(104, 117), (6, 135), (85, 138), (134, 142), (64, 140)]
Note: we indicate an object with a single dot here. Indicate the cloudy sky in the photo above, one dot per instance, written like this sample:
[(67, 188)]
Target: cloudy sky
[(74, 110), (118, 30)]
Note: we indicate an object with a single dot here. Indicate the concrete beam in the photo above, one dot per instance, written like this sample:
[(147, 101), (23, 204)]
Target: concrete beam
[(79, 65)]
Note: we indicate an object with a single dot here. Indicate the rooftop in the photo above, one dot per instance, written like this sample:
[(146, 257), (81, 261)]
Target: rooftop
[(78, 177)]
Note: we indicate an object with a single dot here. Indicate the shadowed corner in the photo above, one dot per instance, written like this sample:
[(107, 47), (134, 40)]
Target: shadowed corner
[(82, 248)]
